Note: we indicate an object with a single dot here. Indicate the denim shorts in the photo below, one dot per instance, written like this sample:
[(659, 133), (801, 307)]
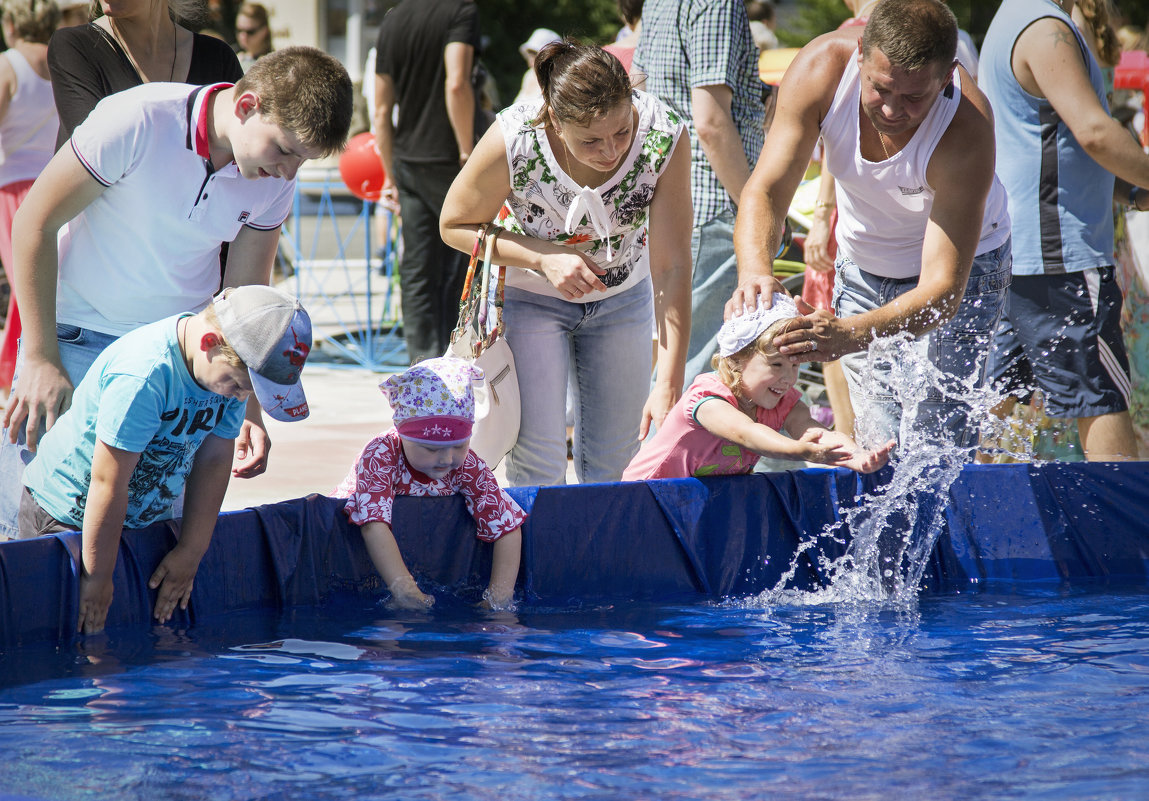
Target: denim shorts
[(959, 349)]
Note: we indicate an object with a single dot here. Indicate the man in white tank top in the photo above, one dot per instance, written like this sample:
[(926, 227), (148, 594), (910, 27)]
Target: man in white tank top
[(923, 231)]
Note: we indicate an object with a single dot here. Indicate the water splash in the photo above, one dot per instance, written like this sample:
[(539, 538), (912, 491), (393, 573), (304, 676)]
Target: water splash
[(889, 535)]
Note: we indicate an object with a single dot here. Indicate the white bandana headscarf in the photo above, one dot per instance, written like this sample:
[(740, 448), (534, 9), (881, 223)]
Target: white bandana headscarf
[(738, 332)]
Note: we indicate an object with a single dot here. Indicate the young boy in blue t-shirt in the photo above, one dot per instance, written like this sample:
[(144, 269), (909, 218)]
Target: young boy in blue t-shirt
[(154, 418)]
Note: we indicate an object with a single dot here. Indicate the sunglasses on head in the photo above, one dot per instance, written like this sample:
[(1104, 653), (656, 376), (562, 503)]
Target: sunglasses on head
[(250, 31)]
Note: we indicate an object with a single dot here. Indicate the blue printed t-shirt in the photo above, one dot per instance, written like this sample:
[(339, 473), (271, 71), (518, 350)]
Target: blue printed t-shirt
[(138, 396), (683, 447)]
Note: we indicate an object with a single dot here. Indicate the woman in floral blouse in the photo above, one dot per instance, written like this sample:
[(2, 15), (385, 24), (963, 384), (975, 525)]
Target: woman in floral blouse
[(592, 190)]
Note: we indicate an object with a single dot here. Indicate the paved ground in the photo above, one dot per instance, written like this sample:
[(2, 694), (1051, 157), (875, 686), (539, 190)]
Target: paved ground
[(315, 454)]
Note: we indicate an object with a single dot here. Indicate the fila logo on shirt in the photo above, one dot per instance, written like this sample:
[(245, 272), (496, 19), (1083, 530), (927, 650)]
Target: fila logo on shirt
[(244, 216)]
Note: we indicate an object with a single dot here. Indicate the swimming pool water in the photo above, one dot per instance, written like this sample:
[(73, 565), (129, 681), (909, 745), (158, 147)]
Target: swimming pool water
[(1035, 694)]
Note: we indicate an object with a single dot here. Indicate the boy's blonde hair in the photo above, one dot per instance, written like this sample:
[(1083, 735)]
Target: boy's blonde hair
[(32, 20), (225, 349), (304, 91), (729, 368)]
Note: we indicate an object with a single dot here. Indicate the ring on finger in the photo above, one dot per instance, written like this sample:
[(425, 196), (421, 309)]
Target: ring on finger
[(813, 344)]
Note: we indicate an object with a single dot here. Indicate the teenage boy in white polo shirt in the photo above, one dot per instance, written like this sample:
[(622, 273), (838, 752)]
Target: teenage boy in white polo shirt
[(140, 201)]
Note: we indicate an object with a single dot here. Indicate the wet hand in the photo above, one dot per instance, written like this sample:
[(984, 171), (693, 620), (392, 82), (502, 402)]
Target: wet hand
[(573, 274), (405, 594), (174, 577), (820, 446), (869, 461), (95, 599)]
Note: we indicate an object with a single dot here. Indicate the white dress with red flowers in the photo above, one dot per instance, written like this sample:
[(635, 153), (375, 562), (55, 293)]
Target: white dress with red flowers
[(382, 472)]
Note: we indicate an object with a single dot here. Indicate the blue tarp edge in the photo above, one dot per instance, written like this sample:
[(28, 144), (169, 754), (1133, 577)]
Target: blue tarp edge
[(660, 540)]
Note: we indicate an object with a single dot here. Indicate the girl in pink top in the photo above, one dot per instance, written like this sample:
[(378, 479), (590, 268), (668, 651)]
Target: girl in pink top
[(427, 453), (730, 418)]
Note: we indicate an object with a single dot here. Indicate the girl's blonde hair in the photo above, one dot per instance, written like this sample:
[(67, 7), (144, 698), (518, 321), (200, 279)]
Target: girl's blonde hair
[(729, 368)]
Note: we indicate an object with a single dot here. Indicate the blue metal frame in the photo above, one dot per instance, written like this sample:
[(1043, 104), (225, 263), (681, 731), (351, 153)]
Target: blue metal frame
[(351, 293)]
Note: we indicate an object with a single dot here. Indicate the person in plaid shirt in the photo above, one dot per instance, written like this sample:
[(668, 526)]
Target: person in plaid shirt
[(700, 59)]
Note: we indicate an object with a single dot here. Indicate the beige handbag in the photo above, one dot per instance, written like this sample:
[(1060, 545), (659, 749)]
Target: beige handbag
[(478, 338)]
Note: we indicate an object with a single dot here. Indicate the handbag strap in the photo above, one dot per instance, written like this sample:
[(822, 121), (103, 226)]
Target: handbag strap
[(475, 301)]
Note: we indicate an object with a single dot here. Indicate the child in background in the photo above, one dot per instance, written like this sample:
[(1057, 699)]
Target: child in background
[(427, 454), (156, 413), (756, 400)]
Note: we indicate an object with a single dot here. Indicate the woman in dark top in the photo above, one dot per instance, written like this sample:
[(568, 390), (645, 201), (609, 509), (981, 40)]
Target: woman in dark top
[(134, 42)]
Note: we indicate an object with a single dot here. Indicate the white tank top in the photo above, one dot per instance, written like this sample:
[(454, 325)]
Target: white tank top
[(28, 130), (883, 206)]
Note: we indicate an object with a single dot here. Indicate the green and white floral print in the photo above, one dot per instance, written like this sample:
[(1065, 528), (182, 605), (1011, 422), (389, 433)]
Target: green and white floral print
[(542, 194)]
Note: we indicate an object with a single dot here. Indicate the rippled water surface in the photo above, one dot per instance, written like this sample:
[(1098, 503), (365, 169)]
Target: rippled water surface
[(1039, 694)]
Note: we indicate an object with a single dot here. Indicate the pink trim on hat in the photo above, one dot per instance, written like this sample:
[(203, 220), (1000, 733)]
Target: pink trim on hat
[(435, 429)]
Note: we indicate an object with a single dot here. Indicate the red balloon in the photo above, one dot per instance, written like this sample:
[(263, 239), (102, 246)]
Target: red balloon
[(361, 168)]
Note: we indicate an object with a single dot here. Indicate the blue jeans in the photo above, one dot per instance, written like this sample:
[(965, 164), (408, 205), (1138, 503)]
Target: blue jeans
[(79, 347), (714, 280), (959, 349), (605, 345)]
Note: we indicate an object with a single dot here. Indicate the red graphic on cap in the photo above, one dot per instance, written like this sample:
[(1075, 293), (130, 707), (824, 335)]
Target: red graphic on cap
[(297, 353)]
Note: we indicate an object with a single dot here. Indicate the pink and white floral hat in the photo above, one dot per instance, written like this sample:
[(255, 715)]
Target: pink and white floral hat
[(433, 402)]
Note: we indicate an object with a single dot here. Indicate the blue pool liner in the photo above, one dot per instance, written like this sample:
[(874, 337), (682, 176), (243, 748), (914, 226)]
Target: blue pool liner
[(672, 540)]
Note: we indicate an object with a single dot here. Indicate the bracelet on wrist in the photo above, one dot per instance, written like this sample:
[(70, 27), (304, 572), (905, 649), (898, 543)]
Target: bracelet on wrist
[(1133, 197), (823, 204)]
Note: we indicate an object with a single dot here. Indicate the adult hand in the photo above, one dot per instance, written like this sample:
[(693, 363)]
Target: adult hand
[(95, 599), (658, 405), (252, 447), (574, 274), (746, 294), (389, 196), (174, 577), (815, 337), (816, 251), (41, 394)]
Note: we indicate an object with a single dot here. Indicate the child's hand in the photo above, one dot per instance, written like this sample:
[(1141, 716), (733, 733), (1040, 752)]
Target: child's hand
[(494, 601), (174, 577), (405, 594), (835, 449), (869, 461), (821, 446), (95, 598)]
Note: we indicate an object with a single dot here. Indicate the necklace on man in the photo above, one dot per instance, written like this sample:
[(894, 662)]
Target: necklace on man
[(881, 139), (128, 53)]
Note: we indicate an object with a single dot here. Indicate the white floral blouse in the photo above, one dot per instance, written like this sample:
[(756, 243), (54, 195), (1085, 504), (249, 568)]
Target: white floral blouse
[(611, 219)]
